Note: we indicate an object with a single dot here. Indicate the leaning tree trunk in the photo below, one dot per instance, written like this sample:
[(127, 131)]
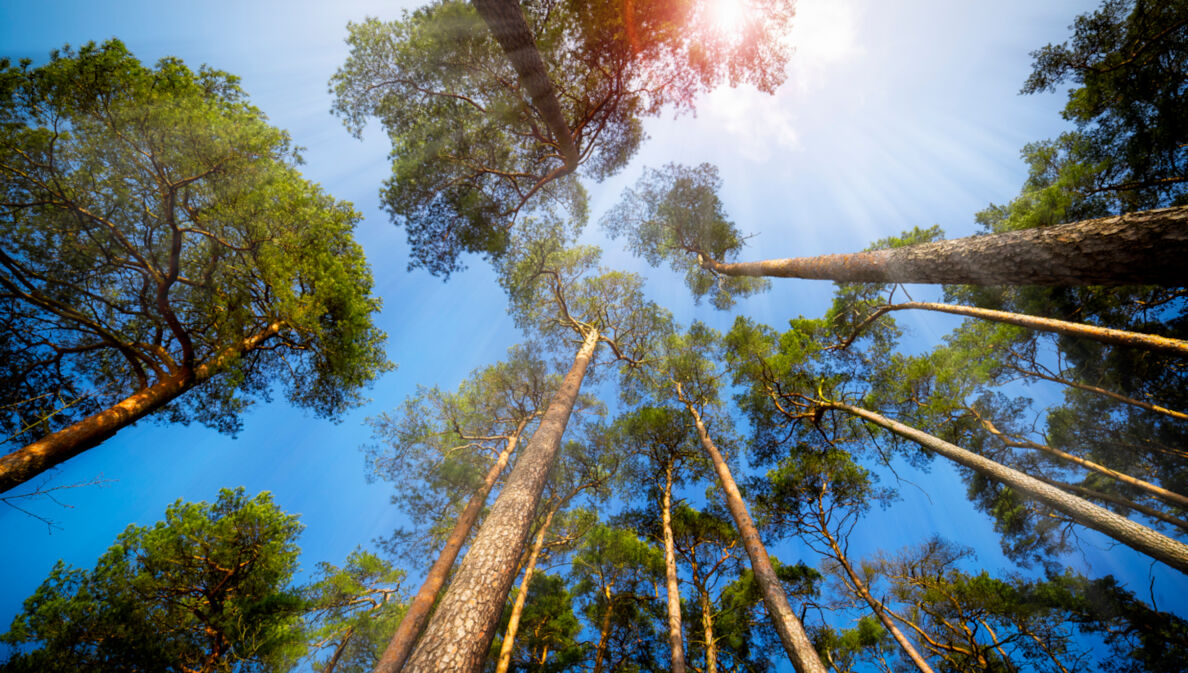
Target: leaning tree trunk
[(787, 625), (513, 622), (604, 631), (410, 627), (52, 450), (875, 605), (1146, 248), (507, 24), (1134, 535), (1105, 335), (460, 632), (1179, 415), (670, 576)]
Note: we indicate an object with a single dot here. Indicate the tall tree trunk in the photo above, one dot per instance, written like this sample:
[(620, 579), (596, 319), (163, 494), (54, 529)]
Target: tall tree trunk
[(876, 606), (401, 645), (1170, 497), (507, 24), (1146, 248), (1134, 535), (791, 632), (1102, 391), (52, 450), (513, 622), (604, 631), (460, 631), (333, 663), (707, 626), (670, 576), (1118, 500), (1105, 335)]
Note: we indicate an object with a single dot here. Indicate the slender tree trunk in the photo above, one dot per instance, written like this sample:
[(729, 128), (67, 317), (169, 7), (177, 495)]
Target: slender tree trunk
[(876, 606), (1170, 497), (1102, 391), (1134, 535), (507, 24), (1118, 500), (1105, 335), (1145, 248), (52, 450), (333, 663), (707, 626), (791, 632), (513, 622), (460, 631), (604, 630), (410, 627), (670, 575)]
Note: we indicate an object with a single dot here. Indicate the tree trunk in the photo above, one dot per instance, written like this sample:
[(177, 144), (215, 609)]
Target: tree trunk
[(1145, 248), (876, 606), (513, 622), (507, 24), (460, 631), (410, 627), (1105, 335), (603, 632), (333, 663), (707, 626), (792, 635), (1102, 391), (670, 575), (1134, 535), (1118, 500), (52, 450)]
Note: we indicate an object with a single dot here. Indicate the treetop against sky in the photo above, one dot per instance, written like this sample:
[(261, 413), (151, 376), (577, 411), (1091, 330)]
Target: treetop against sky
[(884, 119)]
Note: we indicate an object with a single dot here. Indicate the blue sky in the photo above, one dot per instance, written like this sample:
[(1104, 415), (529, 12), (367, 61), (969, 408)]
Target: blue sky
[(894, 115)]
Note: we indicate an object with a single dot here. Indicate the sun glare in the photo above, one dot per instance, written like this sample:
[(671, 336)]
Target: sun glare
[(728, 17)]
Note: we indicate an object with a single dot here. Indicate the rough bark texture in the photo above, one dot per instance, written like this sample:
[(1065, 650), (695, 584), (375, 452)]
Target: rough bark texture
[(875, 605), (460, 632), (791, 632), (1134, 535), (513, 621), (507, 24), (1118, 500), (410, 627), (676, 646), (1105, 335), (52, 450), (1145, 248)]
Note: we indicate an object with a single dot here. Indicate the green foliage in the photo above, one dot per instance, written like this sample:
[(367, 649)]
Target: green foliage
[(152, 221), (674, 215), (547, 638), (470, 153), (205, 589), (352, 612)]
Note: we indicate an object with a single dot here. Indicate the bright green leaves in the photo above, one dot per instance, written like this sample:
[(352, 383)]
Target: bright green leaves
[(674, 215), (209, 583), (155, 225), (352, 612)]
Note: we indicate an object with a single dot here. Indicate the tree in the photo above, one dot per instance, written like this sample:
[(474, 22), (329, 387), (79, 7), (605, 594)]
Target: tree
[(160, 251), (675, 215), (485, 129), (350, 611), (554, 293), (207, 589), (444, 441)]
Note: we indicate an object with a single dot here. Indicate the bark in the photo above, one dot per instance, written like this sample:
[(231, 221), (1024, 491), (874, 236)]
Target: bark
[(787, 625), (333, 663), (52, 450), (876, 606), (1134, 535), (513, 622), (1118, 500), (511, 31), (1144, 248), (460, 632), (1102, 391), (410, 627), (707, 625), (1105, 335), (670, 574)]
